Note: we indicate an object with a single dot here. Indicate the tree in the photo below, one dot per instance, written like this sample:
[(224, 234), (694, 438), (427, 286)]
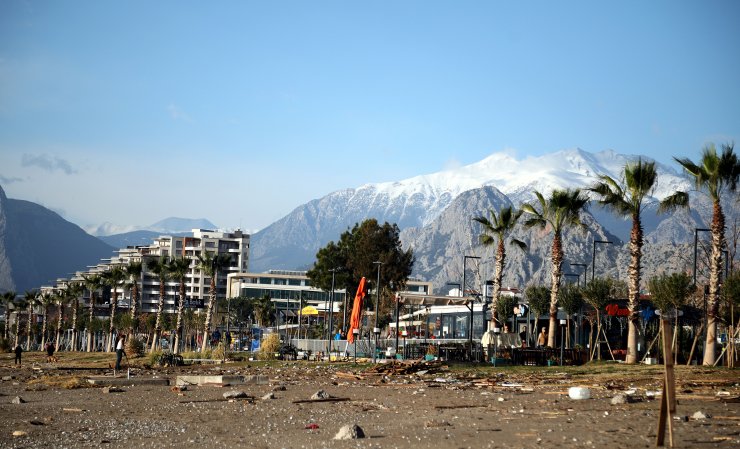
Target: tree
[(93, 283), (355, 254), (264, 310), (31, 299), (570, 299), (133, 271), (62, 300), (19, 305), (74, 291), (598, 292), (670, 291), (560, 211), (7, 299), (714, 174), (179, 269), (113, 278), (160, 268), (46, 300), (538, 298), (499, 227), (211, 264), (506, 304), (626, 198)]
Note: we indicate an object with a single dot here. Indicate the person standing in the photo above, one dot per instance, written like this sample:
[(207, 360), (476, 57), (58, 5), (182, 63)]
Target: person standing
[(18, 353), (542, 338), (119, 351)]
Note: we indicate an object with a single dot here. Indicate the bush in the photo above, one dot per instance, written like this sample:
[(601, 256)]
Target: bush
[(4, 345), (153, 358), (134, 347), (269, 346)]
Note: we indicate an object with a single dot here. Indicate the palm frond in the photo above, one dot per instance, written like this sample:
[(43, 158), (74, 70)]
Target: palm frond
[(673, 202)]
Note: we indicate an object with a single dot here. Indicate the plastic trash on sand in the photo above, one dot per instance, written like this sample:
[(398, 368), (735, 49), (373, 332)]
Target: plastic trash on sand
[(579, 393)]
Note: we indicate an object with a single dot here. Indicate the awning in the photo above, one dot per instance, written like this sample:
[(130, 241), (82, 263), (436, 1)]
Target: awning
[(426, 300), (407, 323), (309, 310)]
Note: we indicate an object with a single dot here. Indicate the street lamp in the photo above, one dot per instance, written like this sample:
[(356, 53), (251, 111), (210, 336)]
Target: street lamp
[(404, 334), (376, 330), (696, 241), (562, 340), (584, 272), (593, 257), (356, 333), (570, 275), (470, 328), (331, 310)]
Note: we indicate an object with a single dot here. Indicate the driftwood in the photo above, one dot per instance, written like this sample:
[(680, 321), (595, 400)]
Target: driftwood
[(302, 401), (192, 401)]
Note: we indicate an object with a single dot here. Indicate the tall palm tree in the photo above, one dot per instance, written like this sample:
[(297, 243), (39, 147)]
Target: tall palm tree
[(160, 268), (211, 264), (32, 300), (715, 173), (46, 300), (560, 211), (19, 305), (113, 278), (499, 227), (61, 299), (179, 269), (93, 283), (7, 299), (626, 198), (133, 271), (74, 291)]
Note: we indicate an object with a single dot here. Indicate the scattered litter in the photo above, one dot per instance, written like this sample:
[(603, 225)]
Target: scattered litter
[(19, 433), (352, 432), (579, 393), (312, 426), (18, 400), (700, 415), (321, 394)]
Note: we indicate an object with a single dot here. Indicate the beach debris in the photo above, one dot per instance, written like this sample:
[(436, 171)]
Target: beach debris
[(321, 394), (350, 432), (18, 400), (700, 415), (235, 394), (579, 393), (268, 396), (19, 433), (107, 390), (312, 426)]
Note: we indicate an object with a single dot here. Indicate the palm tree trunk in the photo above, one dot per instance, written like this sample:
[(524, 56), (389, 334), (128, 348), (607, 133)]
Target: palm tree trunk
[(17, 327), (75, 306), (59, 328), (28, 327), (209, 312), (718, 242), (178, 324), (497, 277), (634, 287), (557, 262), (43, 325), (6, 331), (134, 304), (113, 306), (158, 322), (90, 325)]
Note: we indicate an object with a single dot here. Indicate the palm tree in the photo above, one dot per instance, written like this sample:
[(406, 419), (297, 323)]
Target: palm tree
[(46, 300), (179, 269), (19, 305), (133, 271), (538, 297), (74, 291), (499, 227), (263, 310), (7, 300), (113, 278), (714, 174), (32, 300), (626, 199), (61, 299), (93, 283), (160, 267), (559, 211), (211, 264)]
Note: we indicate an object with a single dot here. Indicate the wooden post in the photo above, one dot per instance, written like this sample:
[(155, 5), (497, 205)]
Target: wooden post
[(668, 398)]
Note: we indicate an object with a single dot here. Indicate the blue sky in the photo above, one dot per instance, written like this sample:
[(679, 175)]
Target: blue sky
[(130, 112)]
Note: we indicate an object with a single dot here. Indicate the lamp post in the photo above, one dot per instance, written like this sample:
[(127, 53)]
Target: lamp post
[(580, 312), (562, 340), (570, 275), (496, 332), (376, 330), (331, 310), (404, 334), (470, 328), (593, 257), (583, 265), (696, 242), (356, 333)]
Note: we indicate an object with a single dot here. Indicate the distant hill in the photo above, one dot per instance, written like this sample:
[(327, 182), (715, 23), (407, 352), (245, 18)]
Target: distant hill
[(168, 226), (37, 246), (136, 238)]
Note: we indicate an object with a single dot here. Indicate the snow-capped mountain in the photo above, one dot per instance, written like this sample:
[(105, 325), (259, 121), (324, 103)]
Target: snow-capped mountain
[(171, 225), (292, 241)]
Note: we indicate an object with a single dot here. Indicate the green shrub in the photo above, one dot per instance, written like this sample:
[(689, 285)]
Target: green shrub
[(134, 347), (268, 347)]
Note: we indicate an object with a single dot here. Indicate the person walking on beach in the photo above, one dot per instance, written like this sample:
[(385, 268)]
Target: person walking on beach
[(50, 352), (18, 353), (119, 351)]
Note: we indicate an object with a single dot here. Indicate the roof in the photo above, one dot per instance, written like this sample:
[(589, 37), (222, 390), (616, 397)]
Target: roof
[(428, 300)]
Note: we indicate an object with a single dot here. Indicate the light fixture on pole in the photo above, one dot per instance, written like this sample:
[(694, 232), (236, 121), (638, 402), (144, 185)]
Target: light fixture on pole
[(696, 242), (377, 304), (593, 257), (404, 334), (356, 333), (584, 266), (464, 287), (562, 340), (331, 312)]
